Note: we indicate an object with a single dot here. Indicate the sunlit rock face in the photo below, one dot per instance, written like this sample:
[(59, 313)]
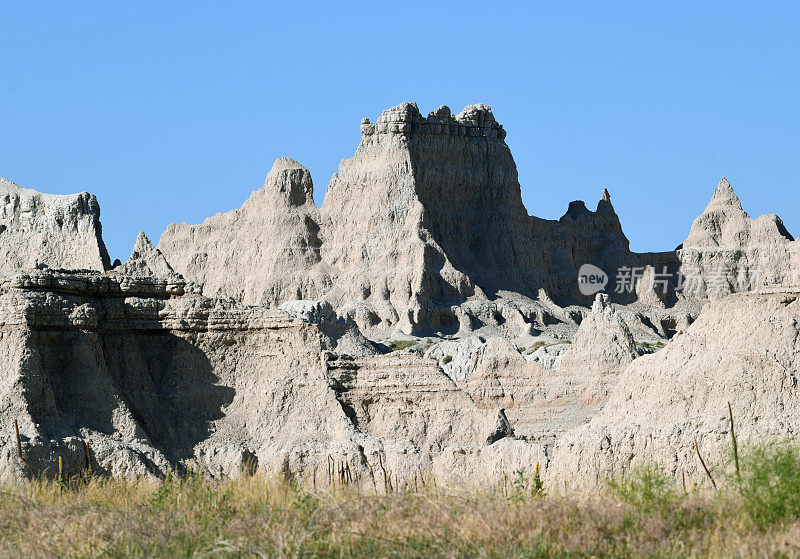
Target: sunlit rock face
[(56, 231), (264, 253), (420, 322), (727, 251)]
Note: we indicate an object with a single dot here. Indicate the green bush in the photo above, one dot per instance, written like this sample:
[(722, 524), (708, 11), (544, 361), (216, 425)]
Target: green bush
[(447, 359)]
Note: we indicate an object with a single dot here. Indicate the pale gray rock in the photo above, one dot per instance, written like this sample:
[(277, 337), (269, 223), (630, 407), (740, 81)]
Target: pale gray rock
[(422, 238), (49, 230), (154, 376), (603, 343), (341, 334), (264, 253), (727, 251), (742, 350), (145, 260), (420, 230)]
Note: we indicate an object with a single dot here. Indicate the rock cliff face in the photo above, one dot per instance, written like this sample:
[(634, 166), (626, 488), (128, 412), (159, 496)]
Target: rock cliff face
[(389, 268), (152, 375), (49, 230), (425, 216), (264, 253)]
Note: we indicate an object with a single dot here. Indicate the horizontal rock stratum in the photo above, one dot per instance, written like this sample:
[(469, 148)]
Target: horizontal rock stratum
[(419, 325)]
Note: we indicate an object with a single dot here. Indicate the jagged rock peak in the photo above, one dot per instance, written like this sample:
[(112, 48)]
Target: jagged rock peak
[(479, 114), (724, 196), (142, 242), (576, 208), (290, 181), (604, 205), (442, 112), (146, 260), (405, 118)]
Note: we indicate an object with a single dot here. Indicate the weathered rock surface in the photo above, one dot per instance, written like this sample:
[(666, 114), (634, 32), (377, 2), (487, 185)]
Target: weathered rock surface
[(154, 376), (727, 251), (425, 218), (742, 349), (603, 343), (422, 243), (264, 253), (57, 231), (146, 261)]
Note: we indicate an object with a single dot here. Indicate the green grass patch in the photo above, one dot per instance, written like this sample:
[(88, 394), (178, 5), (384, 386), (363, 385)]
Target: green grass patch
[(398, 345)]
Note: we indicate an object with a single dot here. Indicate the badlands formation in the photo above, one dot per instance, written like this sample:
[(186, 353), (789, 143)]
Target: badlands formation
[(419, 325)]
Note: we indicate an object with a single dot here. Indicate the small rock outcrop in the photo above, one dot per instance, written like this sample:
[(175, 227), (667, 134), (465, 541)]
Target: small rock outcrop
[(145, 260), (603, 343)]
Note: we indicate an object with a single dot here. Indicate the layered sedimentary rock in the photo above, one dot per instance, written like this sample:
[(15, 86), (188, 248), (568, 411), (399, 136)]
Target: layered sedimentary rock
[(388, 262), (266, 252), (152, 376), (57, 231)]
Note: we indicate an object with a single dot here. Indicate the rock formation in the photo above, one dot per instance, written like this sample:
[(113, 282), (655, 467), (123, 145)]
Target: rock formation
[(425, 217), (155, 376), (742, 349), (603, 342), (728, 252), (146, 261), (420, 323), (38, 230), (266, 252)]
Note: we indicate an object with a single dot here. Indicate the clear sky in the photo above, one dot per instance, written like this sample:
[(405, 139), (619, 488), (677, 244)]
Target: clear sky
[(172, 111)]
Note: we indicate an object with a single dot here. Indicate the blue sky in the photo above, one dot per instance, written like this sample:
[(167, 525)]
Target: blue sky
[(174, 111)]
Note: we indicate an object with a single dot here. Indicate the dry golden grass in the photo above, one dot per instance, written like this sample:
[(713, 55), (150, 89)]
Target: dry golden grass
[(257, 517)]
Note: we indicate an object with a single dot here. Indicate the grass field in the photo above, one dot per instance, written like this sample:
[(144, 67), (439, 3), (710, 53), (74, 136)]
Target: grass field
[(755, 513)]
